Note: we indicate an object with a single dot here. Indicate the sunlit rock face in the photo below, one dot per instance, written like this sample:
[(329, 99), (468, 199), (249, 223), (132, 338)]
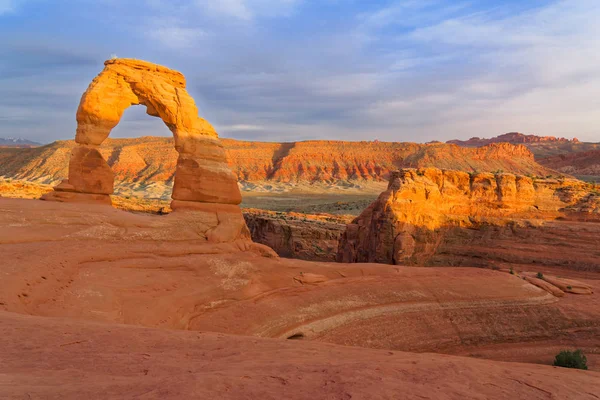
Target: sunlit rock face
[(428, 216), (202, 173)]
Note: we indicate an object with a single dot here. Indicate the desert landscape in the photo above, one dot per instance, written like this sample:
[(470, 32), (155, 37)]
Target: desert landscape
[(296, 199), (437, 270)]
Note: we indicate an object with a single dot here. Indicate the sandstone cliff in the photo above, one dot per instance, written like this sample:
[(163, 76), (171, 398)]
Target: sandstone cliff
[(584, 163), (294, 235), (432, 216), (148, 164), (511, 137), (581, 159)]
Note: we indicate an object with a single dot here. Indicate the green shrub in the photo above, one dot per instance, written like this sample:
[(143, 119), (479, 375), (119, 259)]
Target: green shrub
[(512, 271), (571, 359), (540, 275)]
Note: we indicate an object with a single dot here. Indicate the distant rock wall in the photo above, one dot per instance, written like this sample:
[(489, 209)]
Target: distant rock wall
[(149, 163), (511, 137), (432, 216), (585, 163), (293, 235)]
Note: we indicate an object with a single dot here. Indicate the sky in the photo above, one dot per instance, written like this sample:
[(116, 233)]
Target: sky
[(290, 70)]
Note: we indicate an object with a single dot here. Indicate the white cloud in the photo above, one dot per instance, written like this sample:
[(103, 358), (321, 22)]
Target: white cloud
[(7, 6), (177, 37), (249, 9), (170, 32), (241, 128), (535, 71)]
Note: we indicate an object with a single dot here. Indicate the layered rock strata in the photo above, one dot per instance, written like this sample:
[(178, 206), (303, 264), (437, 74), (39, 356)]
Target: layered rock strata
[(433, 216), (294, 235), (148, 164), (202, 173)]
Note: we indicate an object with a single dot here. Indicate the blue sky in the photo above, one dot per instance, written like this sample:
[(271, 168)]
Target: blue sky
[(404, 70)]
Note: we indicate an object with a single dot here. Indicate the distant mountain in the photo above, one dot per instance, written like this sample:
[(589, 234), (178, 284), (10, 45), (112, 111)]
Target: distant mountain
[(512, 137), (583, 164), (17, 142), (148, 163), (569, 156)]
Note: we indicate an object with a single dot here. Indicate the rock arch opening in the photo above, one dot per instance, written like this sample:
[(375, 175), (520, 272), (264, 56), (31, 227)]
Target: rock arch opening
[(201, 175)]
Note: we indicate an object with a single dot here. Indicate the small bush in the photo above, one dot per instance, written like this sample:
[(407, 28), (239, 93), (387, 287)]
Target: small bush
[(571, 359), (512, 271), (540, 275)]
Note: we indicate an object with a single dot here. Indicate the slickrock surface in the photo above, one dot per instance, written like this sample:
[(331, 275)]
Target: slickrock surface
[(441, 217), (148, 164), (202, 173), (70, 359), (98, 263), (304, 236)]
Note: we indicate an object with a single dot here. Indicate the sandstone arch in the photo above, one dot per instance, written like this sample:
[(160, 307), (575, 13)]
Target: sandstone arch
[(202, 174)]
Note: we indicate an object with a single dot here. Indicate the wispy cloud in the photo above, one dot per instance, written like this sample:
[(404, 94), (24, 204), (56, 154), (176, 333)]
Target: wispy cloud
[(249, 9), (9, 6), (170, 33), (295, 69)]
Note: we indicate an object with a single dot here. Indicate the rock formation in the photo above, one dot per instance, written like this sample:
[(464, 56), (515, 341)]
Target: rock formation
[(581, 159), (584, 163), (114, 361), (149, 164), (432, 216), (105, 265), (511, 137), (303, 236), (201, 175)]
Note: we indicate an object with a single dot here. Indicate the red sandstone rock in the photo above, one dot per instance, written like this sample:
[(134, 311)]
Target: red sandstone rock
[(307, 237), (74, 197), (79, 358), (550, 288), (110, 266), (424, 208), (152, 160), (205, 181), (569, 285), (512, 137), (310, 278), (579, 163), (202, 172), (89, 172)]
